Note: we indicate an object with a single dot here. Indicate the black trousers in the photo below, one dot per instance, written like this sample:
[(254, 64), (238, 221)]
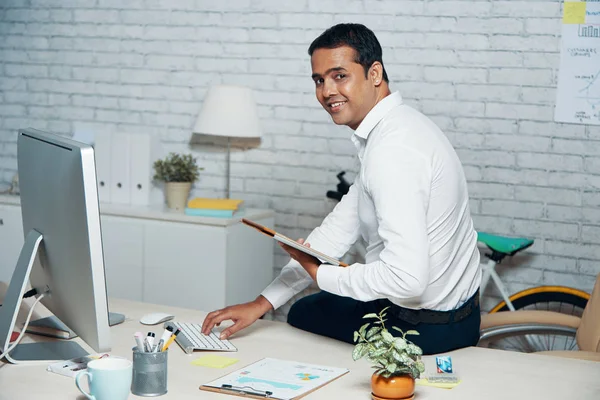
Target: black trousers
[(338, 317)]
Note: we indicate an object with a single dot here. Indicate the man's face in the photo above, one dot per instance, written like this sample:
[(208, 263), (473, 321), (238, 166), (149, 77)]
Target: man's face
[(341, 86)]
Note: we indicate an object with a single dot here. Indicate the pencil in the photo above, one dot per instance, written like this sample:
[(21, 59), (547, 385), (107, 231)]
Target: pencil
[(171, 339)]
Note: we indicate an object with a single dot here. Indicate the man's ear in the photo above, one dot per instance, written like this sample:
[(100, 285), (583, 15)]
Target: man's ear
[(376, 73)]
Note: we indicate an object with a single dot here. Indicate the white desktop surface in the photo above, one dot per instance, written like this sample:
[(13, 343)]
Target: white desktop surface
[(486, 374)]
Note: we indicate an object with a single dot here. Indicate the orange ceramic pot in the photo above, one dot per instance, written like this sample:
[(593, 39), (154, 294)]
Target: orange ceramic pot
[(394, 387)]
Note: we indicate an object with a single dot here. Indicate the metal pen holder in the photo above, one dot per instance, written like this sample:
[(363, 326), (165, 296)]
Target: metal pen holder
[(149, 373)]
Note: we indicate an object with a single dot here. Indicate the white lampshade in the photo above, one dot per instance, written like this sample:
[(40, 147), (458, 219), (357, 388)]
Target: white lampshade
[(228, 111)]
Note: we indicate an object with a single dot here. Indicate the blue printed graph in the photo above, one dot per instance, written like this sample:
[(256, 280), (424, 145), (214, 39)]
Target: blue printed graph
[(276, 385)]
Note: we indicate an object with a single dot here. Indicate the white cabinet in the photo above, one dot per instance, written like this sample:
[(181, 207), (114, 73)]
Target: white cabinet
[(123, 245), (211, 266), (160, 256)]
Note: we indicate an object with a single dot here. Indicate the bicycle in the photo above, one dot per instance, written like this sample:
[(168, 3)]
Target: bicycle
[(561, 299)]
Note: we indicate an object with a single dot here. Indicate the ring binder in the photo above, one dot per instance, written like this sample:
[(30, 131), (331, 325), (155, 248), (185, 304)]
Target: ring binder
[(243, 391)]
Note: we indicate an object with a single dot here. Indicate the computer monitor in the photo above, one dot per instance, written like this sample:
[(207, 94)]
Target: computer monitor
[(62, 254)]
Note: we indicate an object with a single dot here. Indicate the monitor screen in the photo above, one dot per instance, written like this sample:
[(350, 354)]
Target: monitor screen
[(59, 202)]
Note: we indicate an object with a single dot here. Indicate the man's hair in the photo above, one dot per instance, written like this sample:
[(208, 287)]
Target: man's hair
[(356, 36)]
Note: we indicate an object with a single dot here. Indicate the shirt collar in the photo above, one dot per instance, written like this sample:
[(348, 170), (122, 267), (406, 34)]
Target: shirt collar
[(377, 113)]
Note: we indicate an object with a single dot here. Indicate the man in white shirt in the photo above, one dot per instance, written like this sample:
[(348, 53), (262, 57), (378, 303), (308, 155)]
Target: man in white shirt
[(409, 202)]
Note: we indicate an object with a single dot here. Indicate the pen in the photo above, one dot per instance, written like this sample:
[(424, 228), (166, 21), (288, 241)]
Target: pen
[(167, 334), (242, 390), (171, 339), (139, 341), (159, 346), (150, 341)]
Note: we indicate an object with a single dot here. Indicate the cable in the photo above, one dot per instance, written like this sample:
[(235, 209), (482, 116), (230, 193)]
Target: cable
[(16, 342), (28, 294)]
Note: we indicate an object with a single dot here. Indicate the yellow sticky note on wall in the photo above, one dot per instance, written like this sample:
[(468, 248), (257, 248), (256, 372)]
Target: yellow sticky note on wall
[(213, 361), (574, 12)]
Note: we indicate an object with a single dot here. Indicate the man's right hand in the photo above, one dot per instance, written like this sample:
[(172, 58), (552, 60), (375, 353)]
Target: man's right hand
[(242, 315)]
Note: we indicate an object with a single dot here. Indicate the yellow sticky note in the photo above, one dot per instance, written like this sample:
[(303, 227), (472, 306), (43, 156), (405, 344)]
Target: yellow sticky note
[(213, 361), (443, 385), (574, 12)]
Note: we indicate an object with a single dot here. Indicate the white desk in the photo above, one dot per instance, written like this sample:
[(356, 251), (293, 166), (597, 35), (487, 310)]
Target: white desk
[(487, 374)]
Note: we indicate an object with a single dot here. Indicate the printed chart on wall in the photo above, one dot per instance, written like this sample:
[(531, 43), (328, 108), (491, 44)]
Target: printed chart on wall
[(578, 94), (277, 379)]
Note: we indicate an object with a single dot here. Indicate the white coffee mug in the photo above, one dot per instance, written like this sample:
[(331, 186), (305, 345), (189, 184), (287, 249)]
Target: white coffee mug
[(108, 379)]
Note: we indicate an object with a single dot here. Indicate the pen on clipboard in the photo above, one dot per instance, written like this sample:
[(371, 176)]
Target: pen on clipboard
[(250, 391)]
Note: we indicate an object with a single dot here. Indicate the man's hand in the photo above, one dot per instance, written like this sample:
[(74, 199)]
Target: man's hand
[(243, 315), (308, 262)]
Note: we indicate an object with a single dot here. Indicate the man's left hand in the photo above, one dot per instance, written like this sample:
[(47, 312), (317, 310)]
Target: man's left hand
[(308, 262)]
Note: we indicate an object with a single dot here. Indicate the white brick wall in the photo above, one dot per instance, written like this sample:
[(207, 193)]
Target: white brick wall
[(485, 71)]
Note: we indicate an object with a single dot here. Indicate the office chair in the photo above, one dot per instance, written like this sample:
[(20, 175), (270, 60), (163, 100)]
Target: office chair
[(526, 324)]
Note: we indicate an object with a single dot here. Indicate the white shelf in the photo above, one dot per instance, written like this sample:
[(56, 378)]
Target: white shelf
[(163, 213)]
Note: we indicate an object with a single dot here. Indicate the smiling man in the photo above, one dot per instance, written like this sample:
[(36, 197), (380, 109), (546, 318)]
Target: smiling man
[(409, 202)]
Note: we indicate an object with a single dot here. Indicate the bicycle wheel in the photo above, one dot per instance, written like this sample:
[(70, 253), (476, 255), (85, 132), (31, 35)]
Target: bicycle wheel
[(550, 298), (531, 338), (560, 299)]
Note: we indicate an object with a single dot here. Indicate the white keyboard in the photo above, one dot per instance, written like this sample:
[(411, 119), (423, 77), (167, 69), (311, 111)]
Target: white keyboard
[(191, 338)]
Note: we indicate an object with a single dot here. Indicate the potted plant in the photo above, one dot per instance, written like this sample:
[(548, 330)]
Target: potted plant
[(397, 361), (178, 172)]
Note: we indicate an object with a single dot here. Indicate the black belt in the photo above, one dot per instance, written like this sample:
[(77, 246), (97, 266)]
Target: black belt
[(432, 316)]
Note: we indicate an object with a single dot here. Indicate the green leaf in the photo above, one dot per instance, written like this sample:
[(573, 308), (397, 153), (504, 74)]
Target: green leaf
[(359, 351), (416, 371), (414, 349), (362, 329), (398, 329), (387, 337), (384, 310), (356, 336), (420, 366), (176, 168), (391, 368), (371, 332), (396, 356), (378, 353), (371, 315), (400, 343), (376, 338), (412, 332), (405, 358)]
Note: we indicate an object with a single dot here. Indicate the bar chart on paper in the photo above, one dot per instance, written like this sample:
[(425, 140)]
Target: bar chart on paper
[(578, 93)]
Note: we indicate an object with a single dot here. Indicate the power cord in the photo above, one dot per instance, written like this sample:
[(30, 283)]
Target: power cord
[(5, 353), (28, 294)]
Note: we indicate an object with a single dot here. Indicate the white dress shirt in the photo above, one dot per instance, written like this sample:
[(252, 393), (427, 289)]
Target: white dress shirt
[(410, 204)]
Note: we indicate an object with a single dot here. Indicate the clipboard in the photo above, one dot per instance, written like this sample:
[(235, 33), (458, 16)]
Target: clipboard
[(254, 380), (292, 243)]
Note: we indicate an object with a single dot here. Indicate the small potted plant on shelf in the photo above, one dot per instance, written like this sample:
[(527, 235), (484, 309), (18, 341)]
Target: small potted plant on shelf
[(178, 172), (397, 361)]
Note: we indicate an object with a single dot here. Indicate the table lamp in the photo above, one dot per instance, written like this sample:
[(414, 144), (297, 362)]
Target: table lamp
[(228, 111)]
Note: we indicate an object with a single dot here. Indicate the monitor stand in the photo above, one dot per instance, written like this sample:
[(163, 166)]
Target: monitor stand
[(43, 351)]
